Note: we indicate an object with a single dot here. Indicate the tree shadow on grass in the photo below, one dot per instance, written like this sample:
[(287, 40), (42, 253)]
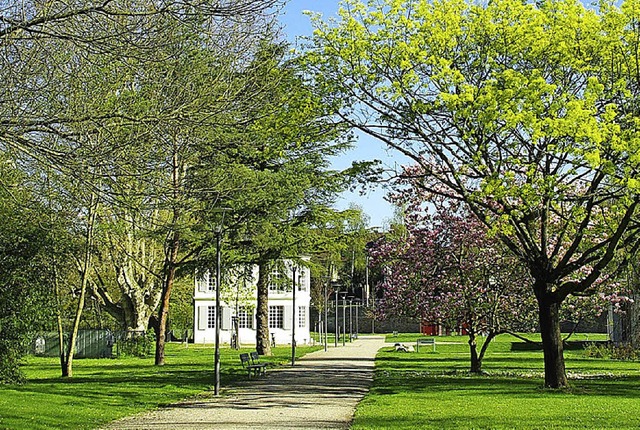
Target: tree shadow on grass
[(128, 384), (595, 386)]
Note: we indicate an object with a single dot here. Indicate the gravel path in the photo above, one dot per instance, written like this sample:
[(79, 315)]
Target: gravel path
[(320, 392)]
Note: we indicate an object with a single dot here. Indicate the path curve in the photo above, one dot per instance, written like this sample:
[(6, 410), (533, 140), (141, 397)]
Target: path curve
[(320, 392)]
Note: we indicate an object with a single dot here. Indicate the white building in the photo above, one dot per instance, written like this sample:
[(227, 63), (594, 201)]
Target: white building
[(239, 301)]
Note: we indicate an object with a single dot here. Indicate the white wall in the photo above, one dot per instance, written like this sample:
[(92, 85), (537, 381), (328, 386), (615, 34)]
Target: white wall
[(204, 296)]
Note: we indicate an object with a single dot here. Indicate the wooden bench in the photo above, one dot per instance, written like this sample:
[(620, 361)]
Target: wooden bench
[(251, 362), (426, 341)]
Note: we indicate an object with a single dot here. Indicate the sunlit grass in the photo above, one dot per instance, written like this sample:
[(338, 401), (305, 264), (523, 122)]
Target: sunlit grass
[(434, 390), (411, 390), (102, 390)]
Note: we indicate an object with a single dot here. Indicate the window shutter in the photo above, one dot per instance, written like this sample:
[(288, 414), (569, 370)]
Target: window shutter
[(202, 282), (226, 319), (288, 314), (302, 279), (203, 313)]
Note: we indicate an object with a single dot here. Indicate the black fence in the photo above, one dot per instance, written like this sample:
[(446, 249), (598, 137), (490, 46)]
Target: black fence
[(351, 321), (97, 344)]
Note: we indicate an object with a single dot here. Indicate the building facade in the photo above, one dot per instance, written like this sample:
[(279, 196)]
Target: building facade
[(238, 306)]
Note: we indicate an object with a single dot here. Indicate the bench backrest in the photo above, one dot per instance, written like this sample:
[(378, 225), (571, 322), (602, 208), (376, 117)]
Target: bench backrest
[(244, 358), (255, 358)]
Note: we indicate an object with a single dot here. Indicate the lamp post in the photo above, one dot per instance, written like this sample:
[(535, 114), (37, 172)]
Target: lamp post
[(216, 359), (336, 320), (367, 292), (350, 319), (344, 317), (326, 314), (371, 293), (358, 304), (293, 317), (218, 315)]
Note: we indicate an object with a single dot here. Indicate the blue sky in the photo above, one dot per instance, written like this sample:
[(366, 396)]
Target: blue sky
[(296, 23)]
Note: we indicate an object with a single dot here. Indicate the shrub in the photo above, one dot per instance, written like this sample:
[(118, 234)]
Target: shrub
[(597, 350), (136, 344), (10, 355), (625, 352)]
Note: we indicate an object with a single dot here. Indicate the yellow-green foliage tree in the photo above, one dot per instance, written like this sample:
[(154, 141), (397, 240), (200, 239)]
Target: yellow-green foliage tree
[(525, 111)]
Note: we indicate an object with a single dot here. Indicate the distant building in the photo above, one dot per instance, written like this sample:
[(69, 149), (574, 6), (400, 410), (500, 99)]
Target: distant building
[(238, 306)]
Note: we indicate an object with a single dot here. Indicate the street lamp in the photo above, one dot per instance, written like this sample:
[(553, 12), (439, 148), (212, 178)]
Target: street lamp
[(293, 323), (350, 318), (216, 355), (358, 304), (326, 314), (367, 292), (344, 317), (336, 319), (216, 359), (371, 294)]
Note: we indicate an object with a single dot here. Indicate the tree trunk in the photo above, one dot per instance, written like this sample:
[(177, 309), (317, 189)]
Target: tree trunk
[(61, 344), (554, 370), (170, 274), (263, 345), (67, 368), (171, 258), (476, 361), (485, 345)]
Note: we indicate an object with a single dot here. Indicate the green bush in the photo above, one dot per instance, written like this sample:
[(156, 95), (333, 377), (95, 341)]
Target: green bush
[(624, 352), (597, 350), (136, 346), (10, 354)]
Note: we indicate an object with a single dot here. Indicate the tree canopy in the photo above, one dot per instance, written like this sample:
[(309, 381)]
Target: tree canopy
[(525, 112), (27, 239), (145, 119)]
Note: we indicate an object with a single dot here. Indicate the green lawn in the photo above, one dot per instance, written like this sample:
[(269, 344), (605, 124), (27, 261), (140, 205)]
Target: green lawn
[(434, 390), (102, 390), (411, 390)]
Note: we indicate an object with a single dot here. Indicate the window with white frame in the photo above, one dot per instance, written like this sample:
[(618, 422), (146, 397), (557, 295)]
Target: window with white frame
[(302, 286), (206, 282), (302, 316), (211, 282), (245, 317), (276, 316), (277, 282), (211, 317)]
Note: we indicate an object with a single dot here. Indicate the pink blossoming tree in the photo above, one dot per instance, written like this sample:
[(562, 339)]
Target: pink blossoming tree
[(443, 268)]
